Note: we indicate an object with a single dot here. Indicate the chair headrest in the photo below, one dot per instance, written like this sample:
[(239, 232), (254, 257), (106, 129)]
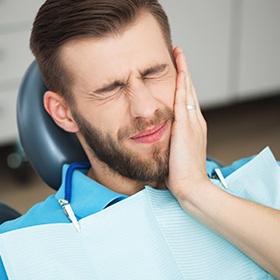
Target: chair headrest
[(7, 213), (46, 146)]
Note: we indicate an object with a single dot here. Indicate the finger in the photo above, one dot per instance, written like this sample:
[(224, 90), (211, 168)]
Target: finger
[(180, 97), (191, 96), (187, 99), (182, 66)]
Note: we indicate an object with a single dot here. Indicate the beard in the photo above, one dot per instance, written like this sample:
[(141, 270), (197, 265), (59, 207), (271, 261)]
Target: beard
[(119, 159)]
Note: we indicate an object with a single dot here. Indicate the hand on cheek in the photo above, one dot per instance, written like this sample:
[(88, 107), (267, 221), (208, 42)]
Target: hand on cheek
[(187, 163)]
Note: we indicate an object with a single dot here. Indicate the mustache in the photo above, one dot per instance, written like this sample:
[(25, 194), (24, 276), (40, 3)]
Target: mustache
[(140, 124)]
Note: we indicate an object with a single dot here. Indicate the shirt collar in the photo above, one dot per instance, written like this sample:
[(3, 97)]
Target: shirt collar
[(88, 196)]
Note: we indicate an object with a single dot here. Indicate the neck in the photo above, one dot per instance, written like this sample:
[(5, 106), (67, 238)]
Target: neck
[(117, 183)]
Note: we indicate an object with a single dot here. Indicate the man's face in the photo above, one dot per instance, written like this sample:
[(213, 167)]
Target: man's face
[(124, 91)]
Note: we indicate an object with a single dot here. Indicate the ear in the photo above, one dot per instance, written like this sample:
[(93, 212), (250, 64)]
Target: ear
[(59, 110)]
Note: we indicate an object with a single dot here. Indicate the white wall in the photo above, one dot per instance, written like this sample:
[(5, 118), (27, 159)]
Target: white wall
[(232, 46)]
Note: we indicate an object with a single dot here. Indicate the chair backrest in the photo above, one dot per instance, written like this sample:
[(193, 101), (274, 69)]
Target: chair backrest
[(46, 146), (7, 213)]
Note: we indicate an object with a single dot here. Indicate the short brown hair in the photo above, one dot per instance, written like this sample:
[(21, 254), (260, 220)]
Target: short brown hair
[(59, 21)]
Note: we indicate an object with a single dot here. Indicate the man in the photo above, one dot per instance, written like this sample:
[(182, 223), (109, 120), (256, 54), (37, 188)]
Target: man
[(115, 80)]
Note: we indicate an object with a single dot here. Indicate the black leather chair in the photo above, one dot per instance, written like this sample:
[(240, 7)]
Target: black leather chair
[(7, 213), (46, 146)]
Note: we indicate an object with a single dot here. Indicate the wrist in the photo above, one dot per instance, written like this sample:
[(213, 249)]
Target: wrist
[(199, 198)]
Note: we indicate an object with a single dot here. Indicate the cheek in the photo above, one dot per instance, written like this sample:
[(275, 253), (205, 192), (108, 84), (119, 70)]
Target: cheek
[(113, 118), (164, 92), (107, 117), (103, 118)]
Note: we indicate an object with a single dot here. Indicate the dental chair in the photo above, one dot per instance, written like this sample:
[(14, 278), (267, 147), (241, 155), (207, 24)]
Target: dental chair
[(46, 146), (7, 213)]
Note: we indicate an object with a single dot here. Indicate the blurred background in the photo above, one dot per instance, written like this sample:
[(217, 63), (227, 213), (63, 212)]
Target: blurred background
[(232, 48)]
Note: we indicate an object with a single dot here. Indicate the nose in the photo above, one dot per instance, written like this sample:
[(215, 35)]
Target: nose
[(142, 102)]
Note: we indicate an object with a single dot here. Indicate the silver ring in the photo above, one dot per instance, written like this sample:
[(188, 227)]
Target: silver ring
[(191, 107)]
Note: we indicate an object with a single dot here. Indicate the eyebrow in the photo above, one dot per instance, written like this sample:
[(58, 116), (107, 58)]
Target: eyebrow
[(118, 83)]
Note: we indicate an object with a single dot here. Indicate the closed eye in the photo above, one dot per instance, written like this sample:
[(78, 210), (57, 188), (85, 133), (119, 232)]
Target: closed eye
[(156, 71), (112, 87), (107, 92)]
